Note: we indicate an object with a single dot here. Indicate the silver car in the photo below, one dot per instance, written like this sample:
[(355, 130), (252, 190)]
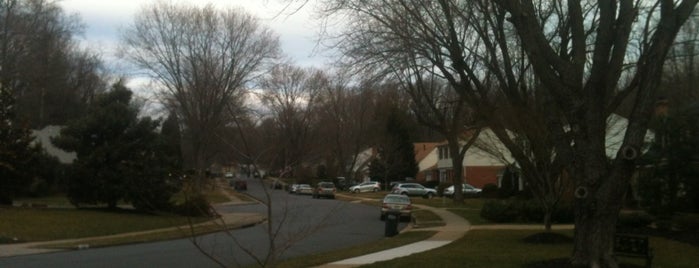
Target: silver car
[(304, 189), (370, 186), (466, 189), (414, 189), (396, 203), (324, 189)]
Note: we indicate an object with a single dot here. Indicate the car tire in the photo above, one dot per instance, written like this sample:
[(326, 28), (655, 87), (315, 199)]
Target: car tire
[(356, 191), (376, 190), (404, 193), (383, 217), (429, 195)]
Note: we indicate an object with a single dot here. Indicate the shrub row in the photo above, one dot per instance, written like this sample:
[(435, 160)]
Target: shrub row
[(524, 211)]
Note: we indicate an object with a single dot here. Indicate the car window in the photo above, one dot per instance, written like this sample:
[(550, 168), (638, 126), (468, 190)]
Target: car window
[(397, 199)]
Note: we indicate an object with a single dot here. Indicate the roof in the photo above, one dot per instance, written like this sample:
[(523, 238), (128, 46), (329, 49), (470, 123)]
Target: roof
[(422, 149)]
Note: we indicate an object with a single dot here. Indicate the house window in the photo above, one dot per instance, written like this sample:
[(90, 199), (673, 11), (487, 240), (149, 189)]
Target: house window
[(444, 152)]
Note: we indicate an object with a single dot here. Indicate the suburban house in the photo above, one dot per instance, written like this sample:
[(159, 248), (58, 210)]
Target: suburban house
[(486, 161), (426, 157), (434, 163)]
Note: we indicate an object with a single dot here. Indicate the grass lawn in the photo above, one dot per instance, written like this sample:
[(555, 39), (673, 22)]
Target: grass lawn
[(28, 225), (383, 244), (504, 248)]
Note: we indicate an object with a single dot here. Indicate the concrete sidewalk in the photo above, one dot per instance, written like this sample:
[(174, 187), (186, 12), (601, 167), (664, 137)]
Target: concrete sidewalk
[(455, 228)]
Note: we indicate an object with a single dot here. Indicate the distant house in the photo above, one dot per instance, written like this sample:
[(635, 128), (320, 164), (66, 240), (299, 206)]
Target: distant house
[(361, 166), (44, 136), (489, 161), (426, 157), (485, 162)]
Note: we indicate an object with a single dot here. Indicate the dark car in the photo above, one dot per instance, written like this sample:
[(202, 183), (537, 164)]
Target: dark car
[(324, 189)]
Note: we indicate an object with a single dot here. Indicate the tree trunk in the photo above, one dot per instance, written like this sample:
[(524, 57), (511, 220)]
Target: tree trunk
[(596, 214), (457, 167), (547, 219)]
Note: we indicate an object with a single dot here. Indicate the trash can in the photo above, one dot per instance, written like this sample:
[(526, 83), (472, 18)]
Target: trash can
[(392, 219)]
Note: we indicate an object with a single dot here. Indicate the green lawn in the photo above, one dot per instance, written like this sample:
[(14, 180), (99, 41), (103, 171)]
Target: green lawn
[(383, 244), (29, 225), (504, 248), (65, 222)]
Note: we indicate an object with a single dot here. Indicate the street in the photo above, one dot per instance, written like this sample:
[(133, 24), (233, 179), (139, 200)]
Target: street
[(302, 225)]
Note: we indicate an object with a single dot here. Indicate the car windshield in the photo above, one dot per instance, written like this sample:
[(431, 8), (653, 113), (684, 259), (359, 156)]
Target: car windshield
[(326, 185), (396, 199)]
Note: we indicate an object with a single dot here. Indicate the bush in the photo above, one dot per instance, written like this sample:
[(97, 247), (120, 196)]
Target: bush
[(490, 190), (499, 211), (195, 206), (636, 219), (528, 211)]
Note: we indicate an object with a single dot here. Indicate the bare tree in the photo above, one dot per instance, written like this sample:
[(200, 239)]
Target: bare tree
[(52, 78), (290, 93), (579, 52), (201, 58)]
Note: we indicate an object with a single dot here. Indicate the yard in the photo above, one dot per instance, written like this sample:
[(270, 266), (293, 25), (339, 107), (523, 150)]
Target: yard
[(29, 222)]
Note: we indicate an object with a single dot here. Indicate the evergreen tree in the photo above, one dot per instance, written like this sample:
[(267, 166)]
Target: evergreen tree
[(671, 166), (120, 157), (15, 150), (398, 153)]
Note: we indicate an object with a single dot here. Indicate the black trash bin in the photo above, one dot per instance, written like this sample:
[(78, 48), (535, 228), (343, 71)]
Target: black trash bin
[(392, 219)]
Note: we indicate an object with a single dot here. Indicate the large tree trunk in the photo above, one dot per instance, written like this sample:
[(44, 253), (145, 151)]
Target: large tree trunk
[(596, 214), (457, 163)]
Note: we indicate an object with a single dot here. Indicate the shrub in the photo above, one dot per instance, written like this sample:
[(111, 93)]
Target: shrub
[(499, 211), (516, 210), (490, 190), (195, 206), (634, 219)]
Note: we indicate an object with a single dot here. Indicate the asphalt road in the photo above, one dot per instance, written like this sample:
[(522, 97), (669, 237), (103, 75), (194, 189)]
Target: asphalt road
[(302, 226)]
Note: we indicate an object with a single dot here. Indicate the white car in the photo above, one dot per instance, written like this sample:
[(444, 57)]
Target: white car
[(370, 186), (466, 189)]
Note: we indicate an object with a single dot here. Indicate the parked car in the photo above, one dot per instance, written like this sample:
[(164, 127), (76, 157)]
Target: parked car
[(370, 186), (304, 189), (466, 189), (396, 203), (292, 188), (324, 189), (414, 189)]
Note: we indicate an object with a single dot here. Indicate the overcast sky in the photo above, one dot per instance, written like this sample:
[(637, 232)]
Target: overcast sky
[(103, 20)]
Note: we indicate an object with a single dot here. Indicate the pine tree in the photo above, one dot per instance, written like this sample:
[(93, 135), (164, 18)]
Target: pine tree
[(15, 150), (120, 156)]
